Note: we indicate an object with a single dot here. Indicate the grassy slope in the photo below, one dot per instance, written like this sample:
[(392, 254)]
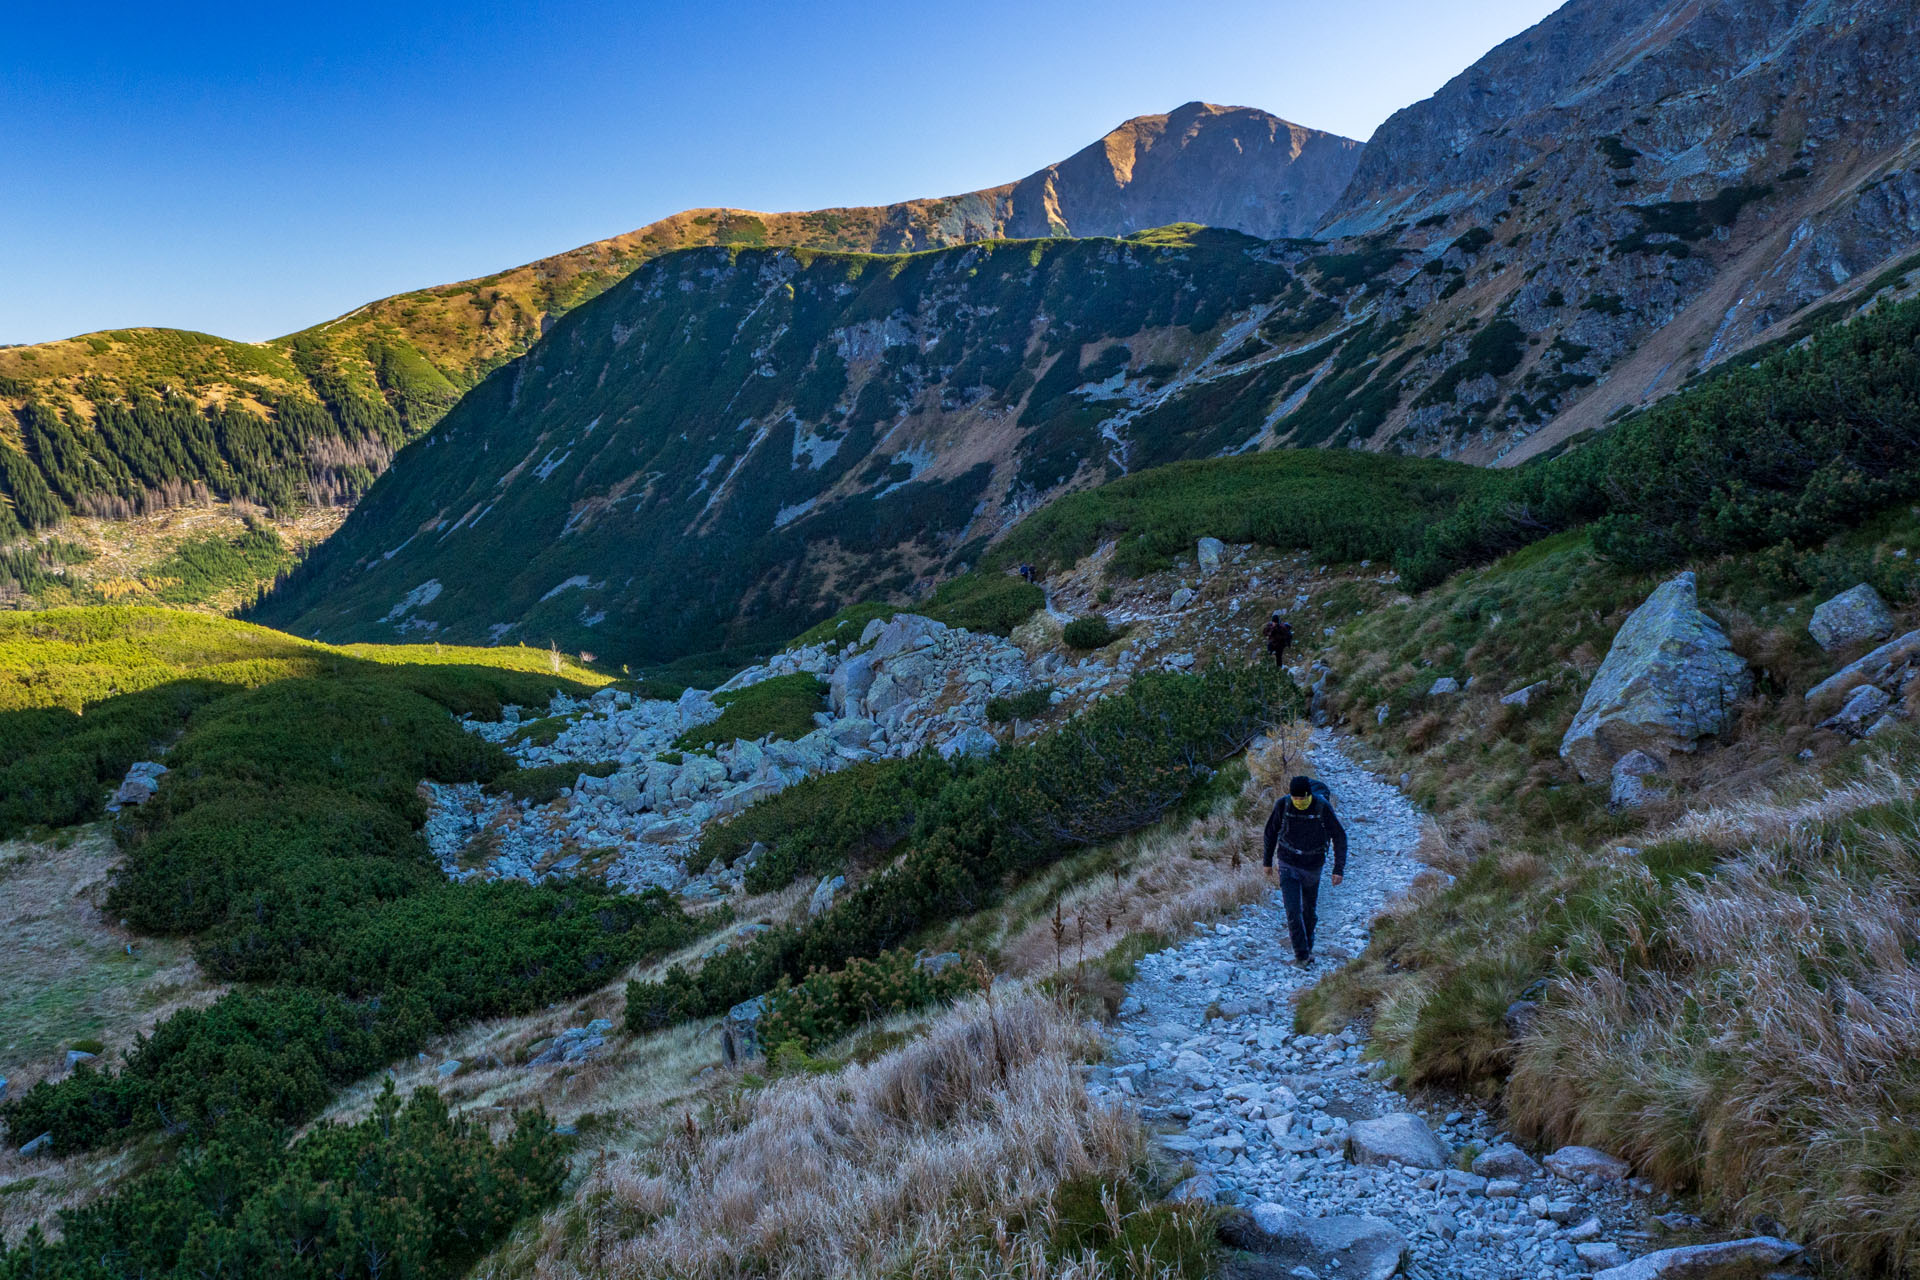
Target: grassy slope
[(1679, 1025)]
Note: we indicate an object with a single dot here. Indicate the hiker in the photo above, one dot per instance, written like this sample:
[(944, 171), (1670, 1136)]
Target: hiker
[(1026, 573), (1279, 634), (1303, 824)]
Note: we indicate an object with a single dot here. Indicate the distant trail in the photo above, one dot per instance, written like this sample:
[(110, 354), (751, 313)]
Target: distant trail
[(1263, 1111)]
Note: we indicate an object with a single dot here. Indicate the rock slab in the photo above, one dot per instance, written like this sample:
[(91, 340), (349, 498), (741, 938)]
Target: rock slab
[(1669, 679), (1337, 1247), (1722, 1261)]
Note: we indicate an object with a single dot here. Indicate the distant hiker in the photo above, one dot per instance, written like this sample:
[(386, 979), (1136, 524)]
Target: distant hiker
[(1026, 573), (1303, 824), (1279, 634)]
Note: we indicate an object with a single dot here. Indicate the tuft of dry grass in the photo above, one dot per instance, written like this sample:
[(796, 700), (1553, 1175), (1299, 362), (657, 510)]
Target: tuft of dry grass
[(936, 1158), (1759, 1037)]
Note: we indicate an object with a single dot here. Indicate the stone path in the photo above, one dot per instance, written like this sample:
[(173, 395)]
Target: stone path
[(1278, 1123)]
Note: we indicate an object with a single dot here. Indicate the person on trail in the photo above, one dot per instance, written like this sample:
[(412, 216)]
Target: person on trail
[(1301, 827), (1279, 634)]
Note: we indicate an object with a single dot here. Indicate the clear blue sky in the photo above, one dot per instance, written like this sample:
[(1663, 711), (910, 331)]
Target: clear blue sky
[(251, 169)]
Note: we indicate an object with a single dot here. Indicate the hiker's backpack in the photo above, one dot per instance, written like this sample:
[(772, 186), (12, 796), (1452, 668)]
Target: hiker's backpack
[(1321, 790), (1279, 635)]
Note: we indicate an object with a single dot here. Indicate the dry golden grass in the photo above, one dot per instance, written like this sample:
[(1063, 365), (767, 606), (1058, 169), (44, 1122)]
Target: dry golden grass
[(937, 1157), (1761, 1044)]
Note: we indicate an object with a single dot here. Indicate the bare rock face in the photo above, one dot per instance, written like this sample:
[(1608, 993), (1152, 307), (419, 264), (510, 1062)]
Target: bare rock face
[(1669, 680), (1234, 167)]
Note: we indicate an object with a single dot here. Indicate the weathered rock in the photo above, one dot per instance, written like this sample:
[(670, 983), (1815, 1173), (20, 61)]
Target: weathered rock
[(970, 741), (937, 963), (1505, 1161), (847, 687), (823, 894), (35, 1146), (1521, 697), (1208, 554), (1181, 599), (1338, 1247), (1855, 615), (1199, 1189), (139, 786), (1403, 1137), (1863, 706), (1445, 684), (740, 1032), (1727, 1259), (448, 1068), (77, 1056), (1669, 679), (1630, 774), (1893, 653), (1575, 1163), (906, 631), (1600, 1253)]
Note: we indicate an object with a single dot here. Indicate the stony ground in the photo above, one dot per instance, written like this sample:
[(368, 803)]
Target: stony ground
[(1206, 1046)]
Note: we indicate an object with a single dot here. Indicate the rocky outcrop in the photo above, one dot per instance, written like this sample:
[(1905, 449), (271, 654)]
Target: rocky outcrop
[(1726, 1260), (1893, 662), (1583, 1164), (1856, 615), (1348, 1246), (1669, 680)]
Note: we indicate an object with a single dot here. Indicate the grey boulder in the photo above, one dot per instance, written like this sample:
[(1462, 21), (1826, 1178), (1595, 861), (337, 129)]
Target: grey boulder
[(1208, 553), (1854, 615), (823, 894), (1338, 1247), (1575, 1163), (139, 786), (740, 1032), (1863, 706), (1669, 679), (1630, 774), (1402, 1136), (1505, 1161), (1722, 1261)]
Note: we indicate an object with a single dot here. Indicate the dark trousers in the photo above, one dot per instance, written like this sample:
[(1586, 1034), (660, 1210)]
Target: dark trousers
[(1300, 893), (1279, 655)]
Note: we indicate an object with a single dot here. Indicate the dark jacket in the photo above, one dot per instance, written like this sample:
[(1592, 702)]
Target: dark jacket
[(1300, 838), (1279, 634)]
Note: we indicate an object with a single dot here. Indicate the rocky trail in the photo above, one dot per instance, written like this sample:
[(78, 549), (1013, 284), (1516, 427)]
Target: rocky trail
[(1335, 1175)]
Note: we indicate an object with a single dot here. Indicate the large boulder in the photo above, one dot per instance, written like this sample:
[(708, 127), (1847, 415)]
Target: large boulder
[(1576, 1164), (1337, 1247), (1669, 680), (1208, 553), (1402, 1136), (1726, 1260), (906, 631), (970, 741), (139, 786), (1855, 615), (1505, 1161)]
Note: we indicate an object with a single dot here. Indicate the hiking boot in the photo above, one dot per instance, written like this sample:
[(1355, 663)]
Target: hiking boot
[(1303, 962)]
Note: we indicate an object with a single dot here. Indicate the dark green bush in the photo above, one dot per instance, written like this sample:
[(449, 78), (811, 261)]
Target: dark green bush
[(994, 603), (817, 824), (1783, 453), (826, 1005), (410, 1191), (1093, 632), (1028, 704), (542, 784), (782, 707)]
